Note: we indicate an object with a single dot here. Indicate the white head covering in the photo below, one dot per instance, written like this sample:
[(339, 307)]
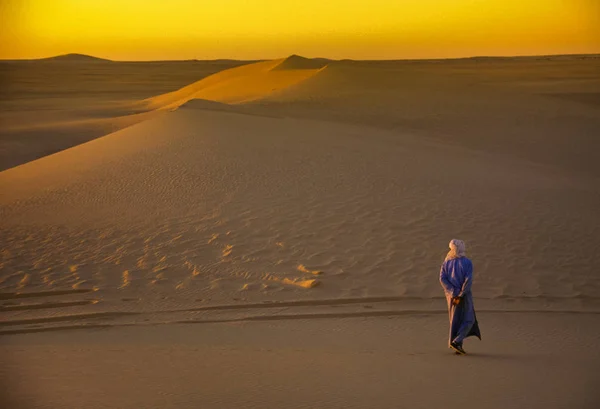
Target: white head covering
[(457, 249)]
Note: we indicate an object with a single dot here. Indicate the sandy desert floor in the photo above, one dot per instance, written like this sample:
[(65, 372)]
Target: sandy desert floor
[(360, 362), (296, 212)]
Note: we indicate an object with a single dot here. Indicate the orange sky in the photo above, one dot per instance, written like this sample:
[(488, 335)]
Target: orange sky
[(254, 29)]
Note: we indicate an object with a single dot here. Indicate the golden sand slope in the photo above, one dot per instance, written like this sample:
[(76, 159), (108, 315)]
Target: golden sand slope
[(53, 104), (545, 110), (242, 84), (50, 105), (306, 253), (198, 208)]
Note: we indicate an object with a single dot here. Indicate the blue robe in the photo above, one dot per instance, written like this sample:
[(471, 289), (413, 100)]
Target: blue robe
[(456, 277)]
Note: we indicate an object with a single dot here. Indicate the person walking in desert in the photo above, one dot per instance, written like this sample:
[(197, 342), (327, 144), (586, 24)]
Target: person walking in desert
[(456, 277)]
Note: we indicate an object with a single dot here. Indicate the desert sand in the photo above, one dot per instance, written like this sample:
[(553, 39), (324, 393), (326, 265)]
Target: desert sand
[(295, 213), (52, 104)]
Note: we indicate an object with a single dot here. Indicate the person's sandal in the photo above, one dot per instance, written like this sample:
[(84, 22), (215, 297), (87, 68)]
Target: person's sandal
[(457, 348)]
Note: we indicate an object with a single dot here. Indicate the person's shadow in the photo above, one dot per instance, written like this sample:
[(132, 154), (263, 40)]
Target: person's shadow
[(524, 358), (484, 355)]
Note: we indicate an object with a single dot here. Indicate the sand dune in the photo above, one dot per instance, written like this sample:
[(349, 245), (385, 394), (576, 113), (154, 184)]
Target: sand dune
[(296, 62), (469, 102), (243, 84), (53, 104), (251, 204), (487, 104), (542, 110), (204, 208), (75, 57), (317, 196)]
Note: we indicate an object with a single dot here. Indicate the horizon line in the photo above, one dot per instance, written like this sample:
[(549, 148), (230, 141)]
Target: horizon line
[(92, 57)]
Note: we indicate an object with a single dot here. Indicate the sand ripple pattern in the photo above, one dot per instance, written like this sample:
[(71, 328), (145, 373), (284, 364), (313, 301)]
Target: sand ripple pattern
[(211, 208)]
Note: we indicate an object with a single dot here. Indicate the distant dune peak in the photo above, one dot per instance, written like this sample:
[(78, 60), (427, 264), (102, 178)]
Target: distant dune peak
[(296, 62), (75, 57), (243, 84)]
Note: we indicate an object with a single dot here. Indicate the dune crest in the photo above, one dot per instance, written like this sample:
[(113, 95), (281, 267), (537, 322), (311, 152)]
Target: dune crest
[(242, 84), (296, 62), (75, 57)]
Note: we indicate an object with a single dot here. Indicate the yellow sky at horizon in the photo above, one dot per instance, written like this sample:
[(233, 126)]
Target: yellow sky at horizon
[(255, 29)]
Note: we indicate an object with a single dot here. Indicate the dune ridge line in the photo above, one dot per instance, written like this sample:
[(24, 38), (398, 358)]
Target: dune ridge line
[(242, 84)]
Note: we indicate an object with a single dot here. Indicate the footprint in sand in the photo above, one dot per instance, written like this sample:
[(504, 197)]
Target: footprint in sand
[(24, 281), (126, 279), (303, 269), (301, 283), (227, 250)]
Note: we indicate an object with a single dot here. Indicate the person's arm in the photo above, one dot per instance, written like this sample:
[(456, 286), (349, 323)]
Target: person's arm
[(448, 287), (466, 287)]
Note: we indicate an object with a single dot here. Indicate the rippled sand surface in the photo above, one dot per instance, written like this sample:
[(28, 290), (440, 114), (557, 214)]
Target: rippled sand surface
[(204, 211), (297, 189)]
